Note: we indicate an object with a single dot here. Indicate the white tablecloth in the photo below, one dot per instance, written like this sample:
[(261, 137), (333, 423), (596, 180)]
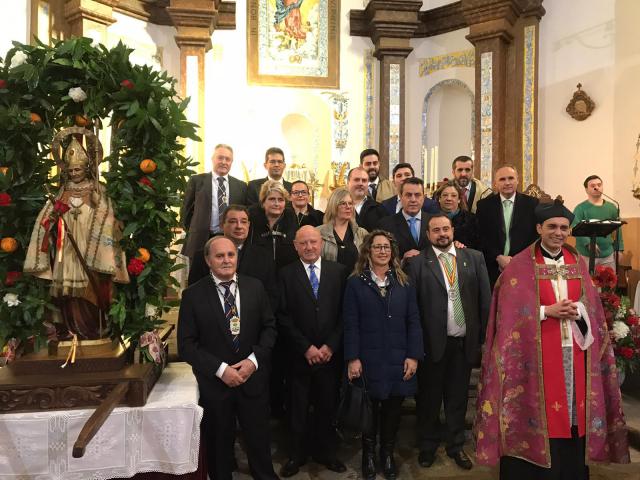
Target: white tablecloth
[(162, 436)]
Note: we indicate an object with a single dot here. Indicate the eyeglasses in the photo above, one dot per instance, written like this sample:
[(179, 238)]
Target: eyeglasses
[(381, 248), (345, 204), (299, 193)]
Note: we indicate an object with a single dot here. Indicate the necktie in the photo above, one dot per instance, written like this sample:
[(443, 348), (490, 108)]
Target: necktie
[(507, 210), (467, 192), (452, 278), (373, 189), (222, 199), (313, 278), (230, 311), (413, 226)]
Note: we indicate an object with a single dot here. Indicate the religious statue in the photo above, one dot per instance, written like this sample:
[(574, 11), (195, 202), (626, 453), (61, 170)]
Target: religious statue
[(75, 241)]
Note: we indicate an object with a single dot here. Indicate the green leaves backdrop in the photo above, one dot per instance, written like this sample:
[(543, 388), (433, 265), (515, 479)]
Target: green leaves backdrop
[(148, 121)]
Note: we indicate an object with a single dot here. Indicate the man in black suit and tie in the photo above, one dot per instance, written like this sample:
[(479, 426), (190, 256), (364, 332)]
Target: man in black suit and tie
[(507, 221), (409, 225), (207, 197), (368, 211), (253, 260), (472, 188), (310, 319), (225, 332), (454, 299), (274, 164), (393, 205)]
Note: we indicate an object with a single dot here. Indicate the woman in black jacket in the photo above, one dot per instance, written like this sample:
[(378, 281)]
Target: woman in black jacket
[(382, 342), (453, 204)]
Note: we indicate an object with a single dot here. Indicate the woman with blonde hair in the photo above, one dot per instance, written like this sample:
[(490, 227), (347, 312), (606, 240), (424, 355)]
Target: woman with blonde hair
[(272, 225), (341, 234), (383, 343)]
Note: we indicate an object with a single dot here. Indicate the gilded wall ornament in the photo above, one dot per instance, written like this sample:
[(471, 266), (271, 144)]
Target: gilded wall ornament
[(581, 105)]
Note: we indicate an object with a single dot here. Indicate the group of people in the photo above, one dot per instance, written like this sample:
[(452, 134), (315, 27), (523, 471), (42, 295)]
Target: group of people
[(394, 289)]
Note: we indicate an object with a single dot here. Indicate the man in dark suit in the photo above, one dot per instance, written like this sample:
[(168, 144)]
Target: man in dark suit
[(401, 172), (368, 211), (274, 164), (310, 319), (207, 197), (253, 260), (225, 332), (305, 213), (409, 225), (454, 298), (472, 188), (507, 221)]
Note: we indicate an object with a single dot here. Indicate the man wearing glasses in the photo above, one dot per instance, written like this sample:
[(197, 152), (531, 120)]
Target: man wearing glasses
[(274, 164), (305, 213)]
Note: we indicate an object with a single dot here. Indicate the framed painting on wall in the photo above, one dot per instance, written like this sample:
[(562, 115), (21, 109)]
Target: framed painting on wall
[(293, 43)]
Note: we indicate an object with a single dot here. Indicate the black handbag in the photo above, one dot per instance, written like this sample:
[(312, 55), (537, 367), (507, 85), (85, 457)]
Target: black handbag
[(354, 411)]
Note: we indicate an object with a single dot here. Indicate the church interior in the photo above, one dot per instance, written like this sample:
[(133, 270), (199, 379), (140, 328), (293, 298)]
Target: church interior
[(548, 86)]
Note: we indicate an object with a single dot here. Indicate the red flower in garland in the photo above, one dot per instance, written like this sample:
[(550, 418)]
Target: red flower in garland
[(610, 301), (626, 352), (60, 207), (135, 267), (605, 277), (145, 181), (11, 278), (5, 199), (127, 84), (633, 320), (3, 83)]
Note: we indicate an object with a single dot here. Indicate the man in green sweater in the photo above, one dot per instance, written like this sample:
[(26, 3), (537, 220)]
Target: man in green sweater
[(597, 208)]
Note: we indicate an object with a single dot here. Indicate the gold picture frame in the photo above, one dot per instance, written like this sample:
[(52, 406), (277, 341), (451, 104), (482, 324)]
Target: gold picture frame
[(293, 43)]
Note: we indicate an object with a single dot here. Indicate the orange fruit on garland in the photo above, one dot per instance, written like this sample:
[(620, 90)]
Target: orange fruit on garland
[(143, 255), (81, 121), (148, 166), (35, 118), (4, 170), (8, 245)]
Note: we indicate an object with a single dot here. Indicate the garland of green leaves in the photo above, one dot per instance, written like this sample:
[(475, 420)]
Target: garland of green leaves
[(36, 101)]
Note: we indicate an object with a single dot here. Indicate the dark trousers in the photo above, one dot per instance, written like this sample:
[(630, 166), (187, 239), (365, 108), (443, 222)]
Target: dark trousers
[(567, 462), (445, 380), (386, 420), (218, 428), (315, 388)]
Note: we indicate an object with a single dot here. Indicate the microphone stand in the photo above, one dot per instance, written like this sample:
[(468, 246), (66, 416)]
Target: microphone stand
[(616, 243)]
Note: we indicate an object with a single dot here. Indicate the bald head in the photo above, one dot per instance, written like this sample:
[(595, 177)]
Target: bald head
[(221, 257), (308, 244)]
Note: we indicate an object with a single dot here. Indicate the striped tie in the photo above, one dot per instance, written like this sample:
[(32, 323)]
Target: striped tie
[(230, 311), (222, 200), (450, 269)]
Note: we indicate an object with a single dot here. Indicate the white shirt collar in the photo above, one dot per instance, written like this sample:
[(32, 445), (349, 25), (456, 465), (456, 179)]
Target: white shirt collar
[(316, 264), (215, 176), (381, 282), (274, 180), (418, 215), (452, 250), (512, 199), (218, 281)]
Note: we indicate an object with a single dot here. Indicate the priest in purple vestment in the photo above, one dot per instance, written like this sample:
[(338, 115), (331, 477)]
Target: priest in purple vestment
[(548, 399)]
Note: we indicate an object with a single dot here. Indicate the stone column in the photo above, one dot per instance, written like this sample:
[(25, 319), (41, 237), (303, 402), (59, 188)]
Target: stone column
[(391, 24), (194, 21), (505, 37)]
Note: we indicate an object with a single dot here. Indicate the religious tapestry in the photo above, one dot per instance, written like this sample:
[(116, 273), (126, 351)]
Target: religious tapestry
[(293, 43)]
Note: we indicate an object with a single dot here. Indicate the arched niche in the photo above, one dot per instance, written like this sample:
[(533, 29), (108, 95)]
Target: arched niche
[(448, 126)]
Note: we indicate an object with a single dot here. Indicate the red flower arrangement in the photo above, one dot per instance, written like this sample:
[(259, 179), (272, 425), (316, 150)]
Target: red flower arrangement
[(11, 278), (5, 199), (145, 181), (622, 322), (3, 83), (127, 84), (135, 267)]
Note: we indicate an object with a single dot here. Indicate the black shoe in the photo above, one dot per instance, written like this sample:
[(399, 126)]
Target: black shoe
[(332, 464), (389, 469), (426, 458), (462, 460), (369, 468), (290, 468)]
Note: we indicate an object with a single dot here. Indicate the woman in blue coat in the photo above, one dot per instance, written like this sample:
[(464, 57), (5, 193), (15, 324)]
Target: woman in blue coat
[(382, 342)]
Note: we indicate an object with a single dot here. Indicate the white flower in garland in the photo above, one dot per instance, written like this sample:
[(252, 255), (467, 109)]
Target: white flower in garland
[(77, 94), (11, 299), (18, 59), (620, 330)]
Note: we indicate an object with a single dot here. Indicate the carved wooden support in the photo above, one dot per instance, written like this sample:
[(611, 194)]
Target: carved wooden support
[(85, 15), (195, 21)]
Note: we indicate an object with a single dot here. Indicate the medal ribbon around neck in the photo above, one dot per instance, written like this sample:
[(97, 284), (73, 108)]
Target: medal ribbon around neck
[(449, 269)]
